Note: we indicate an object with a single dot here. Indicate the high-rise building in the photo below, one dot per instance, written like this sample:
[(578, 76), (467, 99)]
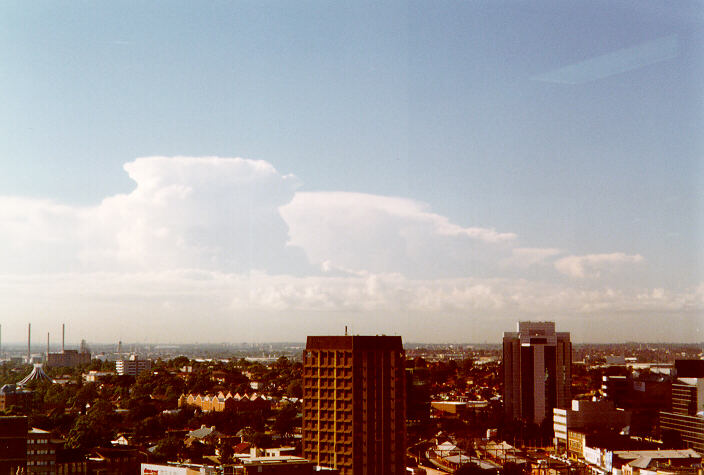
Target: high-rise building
[(686, 418), (537, 371), (354, 403)]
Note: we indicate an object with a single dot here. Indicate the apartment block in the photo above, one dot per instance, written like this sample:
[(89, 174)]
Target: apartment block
[(354, 403)]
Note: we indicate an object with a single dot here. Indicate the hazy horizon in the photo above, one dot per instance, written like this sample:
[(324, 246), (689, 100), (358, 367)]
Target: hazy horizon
[(190, 171)]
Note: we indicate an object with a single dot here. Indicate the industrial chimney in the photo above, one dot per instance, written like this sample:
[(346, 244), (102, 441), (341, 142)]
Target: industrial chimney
[(63, 336), (29, 342)]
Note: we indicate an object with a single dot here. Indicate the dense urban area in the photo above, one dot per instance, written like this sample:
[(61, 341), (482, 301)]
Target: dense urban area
[(221, 409)]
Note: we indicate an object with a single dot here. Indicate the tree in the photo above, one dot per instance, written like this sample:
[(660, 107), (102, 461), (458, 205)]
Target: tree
[(260, 440), (295, 389), (93, 429), (169, 448), (226, 452), (179, 362), (285, 421), (56, 396)]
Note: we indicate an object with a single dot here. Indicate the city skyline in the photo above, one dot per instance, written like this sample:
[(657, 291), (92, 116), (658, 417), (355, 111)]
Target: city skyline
[(245, 172)]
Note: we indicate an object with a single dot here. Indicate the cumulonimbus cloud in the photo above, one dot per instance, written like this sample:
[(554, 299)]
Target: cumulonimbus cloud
[(591, 265), (233, 238), (379, 233), (184, 212)]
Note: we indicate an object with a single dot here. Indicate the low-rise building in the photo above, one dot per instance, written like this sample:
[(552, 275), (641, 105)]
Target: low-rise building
[(221, 401), (284, 465), (93, 376), (68, 358), (632, 462), (41, 452), (115, 460), (13, 444), (643, 393), (586, 416), (11, 395)]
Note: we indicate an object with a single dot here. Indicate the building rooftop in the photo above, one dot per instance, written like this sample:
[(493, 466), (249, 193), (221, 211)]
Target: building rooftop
[(354, 342), (658, 454), (37, 374), (202, 432)]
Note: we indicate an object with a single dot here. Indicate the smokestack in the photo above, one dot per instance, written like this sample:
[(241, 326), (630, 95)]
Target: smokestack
[(29, 342), (63, 336), (47, 345)]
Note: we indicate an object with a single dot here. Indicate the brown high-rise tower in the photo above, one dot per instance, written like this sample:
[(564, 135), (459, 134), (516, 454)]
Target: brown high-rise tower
[(354, 403)]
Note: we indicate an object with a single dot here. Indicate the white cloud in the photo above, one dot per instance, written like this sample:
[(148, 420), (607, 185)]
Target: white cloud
[(164, 304), (230, 243), (213, 213), (590, 265), (528, 256), (381, 233)]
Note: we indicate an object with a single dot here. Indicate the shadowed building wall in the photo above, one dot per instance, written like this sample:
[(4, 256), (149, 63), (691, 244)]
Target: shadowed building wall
[(354, 403)]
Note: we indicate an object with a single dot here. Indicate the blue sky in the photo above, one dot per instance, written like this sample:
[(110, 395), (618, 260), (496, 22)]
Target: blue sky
[(407, 162)]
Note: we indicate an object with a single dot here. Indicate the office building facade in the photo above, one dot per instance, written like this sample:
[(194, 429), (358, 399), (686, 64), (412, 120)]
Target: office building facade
[(537, 365), (686, 417), (354, 404)]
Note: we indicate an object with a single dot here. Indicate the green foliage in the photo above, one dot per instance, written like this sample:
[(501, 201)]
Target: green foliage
[(11, 373), (179, 362), (93, 429), (226, 452), (285, 420), (169, 448), (259, 439), (295, 389), (57, 396), (86, 394), (199, 383)]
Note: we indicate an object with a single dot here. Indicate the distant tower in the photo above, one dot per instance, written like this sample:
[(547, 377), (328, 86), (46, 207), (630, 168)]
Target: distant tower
[(29, 342), (47, 345), (537, 371), (119, 346), (63, 337)]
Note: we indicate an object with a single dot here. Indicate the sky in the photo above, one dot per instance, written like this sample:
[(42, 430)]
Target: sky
[(252, 171)]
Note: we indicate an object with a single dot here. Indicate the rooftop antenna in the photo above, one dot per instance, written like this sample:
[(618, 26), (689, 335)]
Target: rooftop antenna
[(345, 330)]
